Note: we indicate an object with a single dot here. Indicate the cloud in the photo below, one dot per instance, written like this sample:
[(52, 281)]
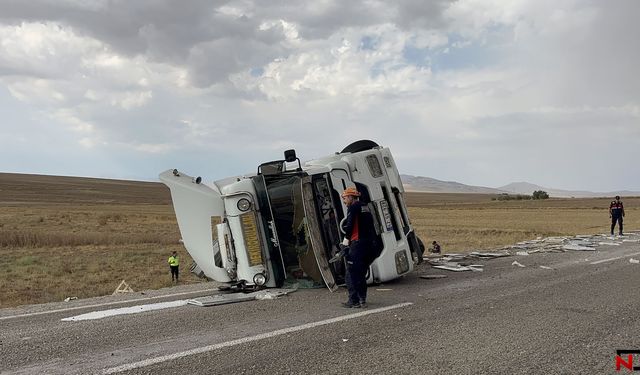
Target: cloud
[(466, 90)]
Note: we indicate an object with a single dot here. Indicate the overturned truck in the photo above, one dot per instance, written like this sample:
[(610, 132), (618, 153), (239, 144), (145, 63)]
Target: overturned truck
[(283, 224)]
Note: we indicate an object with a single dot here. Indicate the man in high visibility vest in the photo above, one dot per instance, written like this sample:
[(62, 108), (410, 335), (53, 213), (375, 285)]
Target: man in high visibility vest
[(174, 264)]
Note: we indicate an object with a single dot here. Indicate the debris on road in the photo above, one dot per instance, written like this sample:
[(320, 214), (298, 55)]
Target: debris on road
[(455, 267), (223, 299), (581, 242), (578, 247), (432, 276), (488, 255), (476, 267)]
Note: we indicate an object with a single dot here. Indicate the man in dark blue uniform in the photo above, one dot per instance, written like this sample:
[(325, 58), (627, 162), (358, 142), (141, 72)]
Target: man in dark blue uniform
[(616, 213), (360, 236)]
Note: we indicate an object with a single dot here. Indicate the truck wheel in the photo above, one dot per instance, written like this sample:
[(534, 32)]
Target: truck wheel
[(361, 145)]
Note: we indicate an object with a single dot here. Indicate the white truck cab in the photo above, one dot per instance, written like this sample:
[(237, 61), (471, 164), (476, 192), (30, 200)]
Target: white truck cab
[(282, 224)]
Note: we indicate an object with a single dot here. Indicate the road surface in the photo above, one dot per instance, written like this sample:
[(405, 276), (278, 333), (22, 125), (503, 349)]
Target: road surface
[(570, 319)]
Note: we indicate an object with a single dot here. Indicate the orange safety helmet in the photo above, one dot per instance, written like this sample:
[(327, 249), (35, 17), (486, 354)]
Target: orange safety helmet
[(350, 191)]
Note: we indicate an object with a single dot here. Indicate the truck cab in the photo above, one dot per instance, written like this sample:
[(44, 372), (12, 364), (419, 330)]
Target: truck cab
[(282, 224)]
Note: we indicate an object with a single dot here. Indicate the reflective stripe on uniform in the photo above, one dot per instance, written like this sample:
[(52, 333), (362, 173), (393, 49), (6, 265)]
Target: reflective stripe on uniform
[(173, 261)]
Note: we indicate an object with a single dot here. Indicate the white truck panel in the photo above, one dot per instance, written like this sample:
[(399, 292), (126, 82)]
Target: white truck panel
[(194, 205)]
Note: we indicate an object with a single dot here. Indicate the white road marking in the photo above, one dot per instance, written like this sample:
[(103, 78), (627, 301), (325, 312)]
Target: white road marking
[(98, 305), (616, 258), (244, 340), (125, 310)]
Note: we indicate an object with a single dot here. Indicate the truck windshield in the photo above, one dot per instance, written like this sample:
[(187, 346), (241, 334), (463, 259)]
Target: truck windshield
[(285, 195)]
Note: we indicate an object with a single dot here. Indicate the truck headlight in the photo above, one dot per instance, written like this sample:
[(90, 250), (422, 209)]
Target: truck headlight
[(244, 204), (259, 279)]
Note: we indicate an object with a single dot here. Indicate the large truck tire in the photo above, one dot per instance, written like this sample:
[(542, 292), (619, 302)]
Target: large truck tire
[(361, 145)]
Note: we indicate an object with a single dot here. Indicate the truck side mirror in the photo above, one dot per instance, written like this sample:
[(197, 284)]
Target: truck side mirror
[(290, 156)]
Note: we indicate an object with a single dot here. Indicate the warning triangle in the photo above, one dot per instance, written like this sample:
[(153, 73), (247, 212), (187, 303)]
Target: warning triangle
[(122, 288)]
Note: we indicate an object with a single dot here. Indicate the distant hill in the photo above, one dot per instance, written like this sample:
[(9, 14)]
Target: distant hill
[(431, 185), (528, 188)]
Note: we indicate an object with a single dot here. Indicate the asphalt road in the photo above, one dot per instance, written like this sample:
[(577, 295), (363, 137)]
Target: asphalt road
[(570, 319)]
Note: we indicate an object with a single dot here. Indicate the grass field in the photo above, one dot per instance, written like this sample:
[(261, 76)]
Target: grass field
[(467, 222), (67, 236)]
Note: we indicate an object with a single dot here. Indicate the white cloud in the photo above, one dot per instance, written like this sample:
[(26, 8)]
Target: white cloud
[(153, 148), (457, 89)]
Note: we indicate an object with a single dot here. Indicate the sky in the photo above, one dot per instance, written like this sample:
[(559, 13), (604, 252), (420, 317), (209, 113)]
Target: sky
[(479, 92)]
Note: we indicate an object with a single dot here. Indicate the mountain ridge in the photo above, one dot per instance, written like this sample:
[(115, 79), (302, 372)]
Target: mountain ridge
[(432, 185)]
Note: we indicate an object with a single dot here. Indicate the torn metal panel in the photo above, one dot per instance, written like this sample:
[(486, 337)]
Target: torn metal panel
[(578, 248), (457, 268), (223, 299), (489, 255), (432, 276)]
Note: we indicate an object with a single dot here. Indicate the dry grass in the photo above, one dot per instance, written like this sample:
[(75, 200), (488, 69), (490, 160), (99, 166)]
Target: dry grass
[(64, 236), (35, 275), (468, 222)]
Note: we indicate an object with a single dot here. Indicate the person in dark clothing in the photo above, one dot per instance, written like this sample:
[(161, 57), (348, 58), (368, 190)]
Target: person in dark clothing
[(616, 213), (360, 237), (435, 248)]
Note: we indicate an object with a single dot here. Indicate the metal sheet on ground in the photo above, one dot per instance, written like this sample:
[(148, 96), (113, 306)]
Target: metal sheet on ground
[(223, 299), (432, 276)]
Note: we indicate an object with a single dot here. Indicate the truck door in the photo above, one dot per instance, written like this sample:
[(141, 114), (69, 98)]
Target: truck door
[(195, 205), (276, 265), (315, 235)]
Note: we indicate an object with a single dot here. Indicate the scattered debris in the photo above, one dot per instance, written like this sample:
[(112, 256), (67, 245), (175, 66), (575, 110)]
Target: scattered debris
[(488, 255), (453, 267), (635, 261), (546, 267), (432, 276), (270, 294), (223, 299), (70, 299), (345, 340), (516, 263), (578, 248), (582, 242)]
